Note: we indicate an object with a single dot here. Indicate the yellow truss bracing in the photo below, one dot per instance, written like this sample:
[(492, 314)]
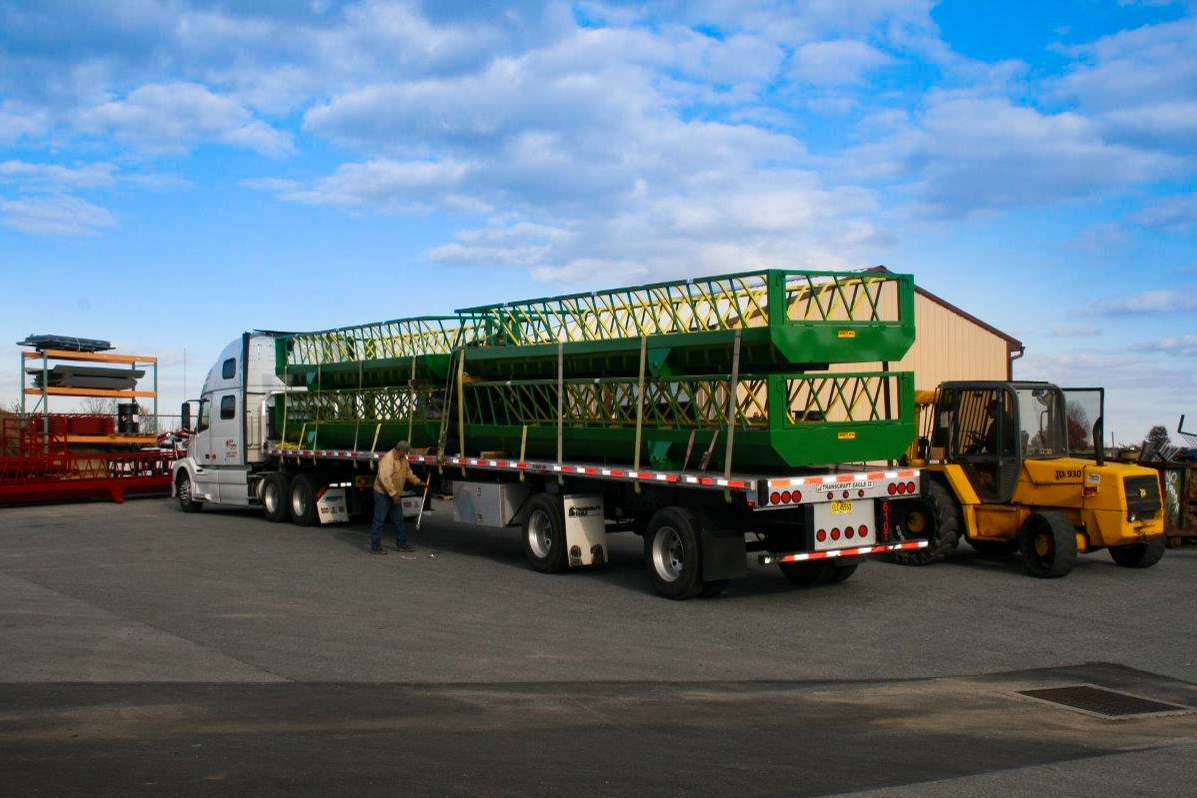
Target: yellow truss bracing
[(399, 338), (719, 303)]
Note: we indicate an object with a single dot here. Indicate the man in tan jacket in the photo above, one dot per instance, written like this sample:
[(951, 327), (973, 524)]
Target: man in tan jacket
[(394, 472)]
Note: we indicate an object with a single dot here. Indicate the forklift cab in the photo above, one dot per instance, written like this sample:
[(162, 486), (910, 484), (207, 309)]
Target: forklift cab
[(989, 429)]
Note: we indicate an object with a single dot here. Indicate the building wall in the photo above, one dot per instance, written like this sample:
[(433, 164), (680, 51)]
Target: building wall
[(948, 346)]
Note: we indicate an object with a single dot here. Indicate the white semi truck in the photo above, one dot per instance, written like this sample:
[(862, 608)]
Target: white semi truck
[(699, 528)]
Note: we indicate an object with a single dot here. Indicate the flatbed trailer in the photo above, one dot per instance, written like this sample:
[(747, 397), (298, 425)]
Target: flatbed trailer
[(815, 525)]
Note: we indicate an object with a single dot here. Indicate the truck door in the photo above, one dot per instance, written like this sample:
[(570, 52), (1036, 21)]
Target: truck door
[(983, 440)]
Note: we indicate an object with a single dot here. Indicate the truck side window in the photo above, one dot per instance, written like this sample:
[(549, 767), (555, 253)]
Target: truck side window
[(228, 407), (229, 370), (204, 409)]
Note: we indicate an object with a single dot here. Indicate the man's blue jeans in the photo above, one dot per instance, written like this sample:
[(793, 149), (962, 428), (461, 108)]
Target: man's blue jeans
[(385, 506)]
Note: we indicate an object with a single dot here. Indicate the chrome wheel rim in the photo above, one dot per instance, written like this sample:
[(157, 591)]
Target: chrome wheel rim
[(299, 504), (270, 497), (668, 553), (540, 534)]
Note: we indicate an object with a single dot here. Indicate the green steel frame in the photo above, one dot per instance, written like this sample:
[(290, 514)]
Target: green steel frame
[(786, 319), (624, 374)]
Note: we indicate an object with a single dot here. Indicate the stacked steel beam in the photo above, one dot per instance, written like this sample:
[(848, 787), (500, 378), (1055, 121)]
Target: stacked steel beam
[(743, 370)]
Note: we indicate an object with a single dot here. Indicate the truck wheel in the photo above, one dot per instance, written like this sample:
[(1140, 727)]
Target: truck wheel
[(1047, 542), (940, 513), (302, 502), (185, 489), (276, 488), (544, 534), (672, 554), (807, 573), (994, 548), (1139, 555)]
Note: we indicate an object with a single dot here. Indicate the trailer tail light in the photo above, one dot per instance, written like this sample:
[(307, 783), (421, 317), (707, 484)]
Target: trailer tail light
[(785, 497), (775, 497), (863, 531), (893, 488), (796, 496), (860, 493), (835, 534), (910, 487), (849, 532), (821, 535)]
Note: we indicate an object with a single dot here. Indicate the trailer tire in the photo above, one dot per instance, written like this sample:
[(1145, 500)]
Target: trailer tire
[(673, 554), (842, 572), (276, 489), (944, 515), (1139, 555), (807, 573), (185, 490), (1047, 543), (544, 534), (302, 500)]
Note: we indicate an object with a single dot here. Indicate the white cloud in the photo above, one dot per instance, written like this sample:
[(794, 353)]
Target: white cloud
[(382, 184), (836, 62), (967, 153), (54, 214), (1074, 331), (47, 176), (1176, 214), (1183, 345), (16, 124), (171, 118), (1161, 300)]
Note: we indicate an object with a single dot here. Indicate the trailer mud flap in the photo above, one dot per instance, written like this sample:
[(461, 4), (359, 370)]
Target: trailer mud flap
[(331, 507), (724, 554)]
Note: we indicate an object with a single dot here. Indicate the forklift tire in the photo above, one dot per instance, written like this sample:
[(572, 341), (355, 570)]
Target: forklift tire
[(276, 490), (673, 554), (302, 501), (808, 573), (994, 548), (945, 525), (185, 489), (544, 534), (1139, 555), (1047, 543)]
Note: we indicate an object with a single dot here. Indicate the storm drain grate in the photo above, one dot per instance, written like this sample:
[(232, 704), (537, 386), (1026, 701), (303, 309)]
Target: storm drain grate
[(1103, 702)]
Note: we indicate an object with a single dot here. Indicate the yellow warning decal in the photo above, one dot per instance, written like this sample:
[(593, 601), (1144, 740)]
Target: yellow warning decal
[(845, 333), (846, 436)]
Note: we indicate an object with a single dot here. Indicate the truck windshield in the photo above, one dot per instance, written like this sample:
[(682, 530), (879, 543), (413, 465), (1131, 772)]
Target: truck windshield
[(1083, 416), (1039, 420)]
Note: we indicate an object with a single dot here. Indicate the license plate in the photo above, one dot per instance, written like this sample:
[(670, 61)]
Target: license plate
[(841, 508)]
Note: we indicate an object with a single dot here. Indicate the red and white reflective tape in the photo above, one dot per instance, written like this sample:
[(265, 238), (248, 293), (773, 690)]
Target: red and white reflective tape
[(766, 559), (835, 479)]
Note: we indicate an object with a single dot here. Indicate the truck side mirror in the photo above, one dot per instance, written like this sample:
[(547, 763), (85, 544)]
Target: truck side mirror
[(185, 412)]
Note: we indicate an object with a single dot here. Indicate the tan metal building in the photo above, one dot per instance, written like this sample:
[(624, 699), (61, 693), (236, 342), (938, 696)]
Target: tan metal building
[(951, 344)]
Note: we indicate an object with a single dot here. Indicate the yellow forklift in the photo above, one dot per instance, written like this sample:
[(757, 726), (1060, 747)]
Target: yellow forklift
[(1019, 466)]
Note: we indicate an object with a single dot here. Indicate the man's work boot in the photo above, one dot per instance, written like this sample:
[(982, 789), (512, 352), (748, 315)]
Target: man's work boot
[(379, 550)]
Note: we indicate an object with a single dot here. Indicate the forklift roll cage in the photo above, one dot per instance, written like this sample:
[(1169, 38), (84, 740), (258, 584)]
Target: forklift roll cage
[(979, 425)]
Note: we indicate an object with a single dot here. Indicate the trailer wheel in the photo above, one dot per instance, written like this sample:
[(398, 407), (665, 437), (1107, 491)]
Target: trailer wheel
[(302, 502), (842, 572), (938, 510), (276, 488), (1139, 555), (1047, 543), (185, 489), (544, 534), (807, 573), (672, 554)]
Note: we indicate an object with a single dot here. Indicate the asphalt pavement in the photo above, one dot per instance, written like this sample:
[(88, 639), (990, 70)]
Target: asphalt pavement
[(143, 649)]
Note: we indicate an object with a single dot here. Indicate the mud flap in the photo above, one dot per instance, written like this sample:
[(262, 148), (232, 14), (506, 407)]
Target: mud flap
[(724, 553)]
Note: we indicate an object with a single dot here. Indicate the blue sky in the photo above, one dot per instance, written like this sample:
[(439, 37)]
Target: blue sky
[(172, 173)]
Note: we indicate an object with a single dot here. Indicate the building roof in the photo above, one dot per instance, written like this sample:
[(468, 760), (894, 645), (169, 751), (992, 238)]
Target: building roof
[(1013, 343)]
